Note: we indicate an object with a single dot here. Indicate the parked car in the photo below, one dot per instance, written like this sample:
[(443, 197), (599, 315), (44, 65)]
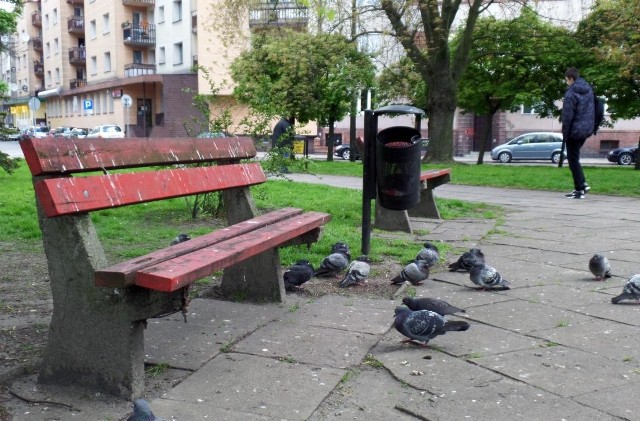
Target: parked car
[(344, 152), (537, 145), (212, 134), (79, 133), (11, 134), (64, 132), (623, 156), (37, 131), (107, 131)]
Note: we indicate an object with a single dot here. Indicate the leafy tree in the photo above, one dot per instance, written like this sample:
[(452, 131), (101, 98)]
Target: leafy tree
[(306, 76), (511, 64)]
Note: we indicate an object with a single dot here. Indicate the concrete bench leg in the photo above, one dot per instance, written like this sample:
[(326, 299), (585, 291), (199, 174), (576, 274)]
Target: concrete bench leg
[(96, 334), (258, 279), (427, 207), (391, 220)]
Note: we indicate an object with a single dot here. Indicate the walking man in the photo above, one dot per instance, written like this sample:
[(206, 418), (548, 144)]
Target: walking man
[(578, 119)]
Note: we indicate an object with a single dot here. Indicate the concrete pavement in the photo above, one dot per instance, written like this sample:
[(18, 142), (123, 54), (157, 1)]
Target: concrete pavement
[(551, 348)]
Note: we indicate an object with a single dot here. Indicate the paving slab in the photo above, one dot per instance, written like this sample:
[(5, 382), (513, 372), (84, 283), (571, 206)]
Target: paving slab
[(614, 400), (211, 324), (566, 295), (249, 384), (627, 312), (567, 372), (504, 399)]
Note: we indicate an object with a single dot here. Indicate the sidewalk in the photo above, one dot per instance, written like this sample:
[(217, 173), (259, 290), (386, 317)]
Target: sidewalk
[(551, 348)]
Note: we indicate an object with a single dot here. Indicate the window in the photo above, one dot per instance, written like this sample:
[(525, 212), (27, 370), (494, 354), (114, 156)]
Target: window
[(177, 53), (47, 80), (56, 46), (105, 23), (177, 10), (46, 21), (47, 49), (107, 62), (93, 29), (55, 16), (161, 55), (137, 56), (608, 145), (57, 76), (161, 14), (94, 65), (528, 109)]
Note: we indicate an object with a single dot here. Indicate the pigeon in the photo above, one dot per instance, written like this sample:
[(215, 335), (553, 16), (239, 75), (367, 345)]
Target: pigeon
[(297, 274), (487, 277), (441, 307), (357, 272), (630, 291), (180, 239), (415, 273), (467, 260), (424, 325), (429, 254), (336, 262), (600, 267), (142, 412)]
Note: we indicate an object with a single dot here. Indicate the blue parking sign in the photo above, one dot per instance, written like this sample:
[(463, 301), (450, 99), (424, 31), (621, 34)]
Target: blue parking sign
[(88, 105)]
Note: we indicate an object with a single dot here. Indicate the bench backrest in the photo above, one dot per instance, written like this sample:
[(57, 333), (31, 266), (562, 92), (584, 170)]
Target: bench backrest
[(54, 161)]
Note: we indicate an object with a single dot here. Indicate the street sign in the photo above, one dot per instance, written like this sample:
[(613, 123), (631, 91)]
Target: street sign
[(34, 104), (87, 105), (126, 100)]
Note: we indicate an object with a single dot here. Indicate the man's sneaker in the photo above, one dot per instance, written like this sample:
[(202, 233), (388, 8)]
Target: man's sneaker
[(576, 194), (586, 188)]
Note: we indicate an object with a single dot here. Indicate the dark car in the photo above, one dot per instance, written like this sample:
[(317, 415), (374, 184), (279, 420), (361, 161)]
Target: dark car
[(623, 156), (344, 152)]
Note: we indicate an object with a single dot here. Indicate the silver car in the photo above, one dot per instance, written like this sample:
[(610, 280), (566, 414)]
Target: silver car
[(538, 145)]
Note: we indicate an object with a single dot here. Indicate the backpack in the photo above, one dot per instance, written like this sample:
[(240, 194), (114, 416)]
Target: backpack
[(599, 112)]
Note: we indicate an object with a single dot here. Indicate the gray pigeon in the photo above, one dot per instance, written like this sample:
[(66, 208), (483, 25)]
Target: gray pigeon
[(467, 260), (429, 254), (415, 273), (630, 291), (357, 272), (142, 412), (297, 274), (441, 307), (424, 325), (180, 239), (487, 277), (336, 262), (600, 267)]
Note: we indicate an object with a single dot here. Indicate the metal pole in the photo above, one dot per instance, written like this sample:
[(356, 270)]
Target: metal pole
[(368, 178)]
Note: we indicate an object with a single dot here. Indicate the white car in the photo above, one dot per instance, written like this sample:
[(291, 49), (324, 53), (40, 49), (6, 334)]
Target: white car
[(107, 131), (37, 131)]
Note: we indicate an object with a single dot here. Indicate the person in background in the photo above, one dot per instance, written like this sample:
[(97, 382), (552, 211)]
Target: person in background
[(578, 118), (282, 139)]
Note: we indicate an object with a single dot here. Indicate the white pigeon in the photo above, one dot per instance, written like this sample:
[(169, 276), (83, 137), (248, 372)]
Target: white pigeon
[(357, 272)]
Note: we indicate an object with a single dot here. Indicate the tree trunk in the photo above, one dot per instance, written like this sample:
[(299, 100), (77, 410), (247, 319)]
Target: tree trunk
[(486, 136), (440, 135), (330, 140)]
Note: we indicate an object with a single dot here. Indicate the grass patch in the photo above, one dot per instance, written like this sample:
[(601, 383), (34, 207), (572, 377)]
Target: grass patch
[(371, 361), (294, 308), (157, 370), (549, 344), (350, 374)]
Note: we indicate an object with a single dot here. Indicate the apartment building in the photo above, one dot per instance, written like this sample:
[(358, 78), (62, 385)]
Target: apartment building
[(80, 57)]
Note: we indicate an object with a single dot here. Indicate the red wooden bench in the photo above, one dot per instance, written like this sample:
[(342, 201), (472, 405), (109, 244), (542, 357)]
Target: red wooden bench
[(391, 220), (96, 334)]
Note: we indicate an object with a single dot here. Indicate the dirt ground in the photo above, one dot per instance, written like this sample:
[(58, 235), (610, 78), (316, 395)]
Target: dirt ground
[(26, 307)]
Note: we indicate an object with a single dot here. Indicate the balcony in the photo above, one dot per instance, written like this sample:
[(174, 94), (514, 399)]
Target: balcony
[(75, 1), (139, 3), (141, 35), (78, 56), (38, 68), (139, 69), (77, 83), (36, 18), (37, 43), (75, 25), (287, 14), (194, 22)]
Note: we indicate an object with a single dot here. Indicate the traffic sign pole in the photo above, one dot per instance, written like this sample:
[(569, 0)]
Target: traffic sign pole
[(126, 103)]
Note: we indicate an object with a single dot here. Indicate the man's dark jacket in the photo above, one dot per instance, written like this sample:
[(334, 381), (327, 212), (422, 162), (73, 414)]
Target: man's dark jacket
[(578, 111)]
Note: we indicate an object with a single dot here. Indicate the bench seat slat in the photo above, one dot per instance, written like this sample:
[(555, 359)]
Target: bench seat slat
[(123, 274), (426, 175), (181, 271), (62, 156), (70, 195)]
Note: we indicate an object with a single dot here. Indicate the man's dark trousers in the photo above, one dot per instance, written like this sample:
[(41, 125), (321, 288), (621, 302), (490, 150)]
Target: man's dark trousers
[(573, 157)]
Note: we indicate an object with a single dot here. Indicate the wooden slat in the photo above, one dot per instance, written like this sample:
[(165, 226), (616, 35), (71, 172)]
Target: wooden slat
[(62, 156), (425, 175), (123, 274), (70, 195), (181, 271)]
